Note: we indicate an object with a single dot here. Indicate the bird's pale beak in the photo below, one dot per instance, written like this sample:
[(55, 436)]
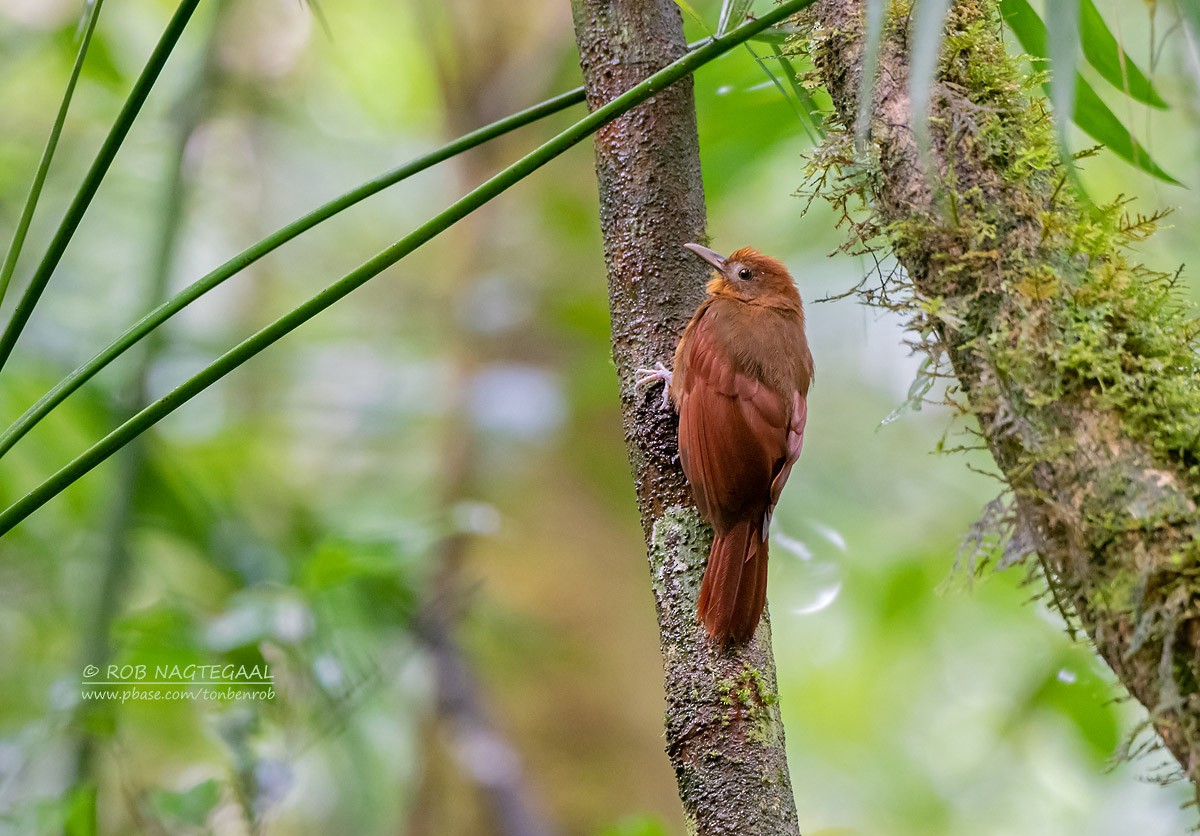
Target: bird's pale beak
[(715, 259)]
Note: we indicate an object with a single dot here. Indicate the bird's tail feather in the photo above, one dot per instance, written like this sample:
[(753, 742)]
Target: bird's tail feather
[(734, 590)]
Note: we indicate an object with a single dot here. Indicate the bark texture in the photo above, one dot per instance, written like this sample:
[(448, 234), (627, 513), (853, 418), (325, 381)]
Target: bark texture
[(724, 735), (1077, 363)]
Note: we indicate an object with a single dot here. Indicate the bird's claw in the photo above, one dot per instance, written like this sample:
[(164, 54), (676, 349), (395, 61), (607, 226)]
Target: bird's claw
[(647, 377)]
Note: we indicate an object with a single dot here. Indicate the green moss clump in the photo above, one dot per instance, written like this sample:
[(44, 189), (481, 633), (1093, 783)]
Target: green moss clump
[(749, 700)]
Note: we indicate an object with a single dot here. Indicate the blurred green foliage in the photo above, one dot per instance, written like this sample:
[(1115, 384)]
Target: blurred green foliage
[(298, 514)]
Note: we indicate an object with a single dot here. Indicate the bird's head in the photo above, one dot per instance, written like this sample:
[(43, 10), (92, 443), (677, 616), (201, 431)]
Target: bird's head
[(747, 274)]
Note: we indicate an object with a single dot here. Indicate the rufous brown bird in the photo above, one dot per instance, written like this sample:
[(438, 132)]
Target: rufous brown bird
[(740, 384)]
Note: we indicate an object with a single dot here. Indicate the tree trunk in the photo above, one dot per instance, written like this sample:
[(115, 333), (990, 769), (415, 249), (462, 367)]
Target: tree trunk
[(1078, 363), (724, 734)]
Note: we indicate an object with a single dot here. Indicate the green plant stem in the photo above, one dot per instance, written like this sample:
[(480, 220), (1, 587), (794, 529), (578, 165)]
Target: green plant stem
[(155, 318), (195, 102), (499, 183), (39, 177), (91, 182), (244, 259)]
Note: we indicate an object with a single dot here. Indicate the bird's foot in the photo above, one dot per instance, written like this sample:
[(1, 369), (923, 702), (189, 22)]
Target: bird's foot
[(648, 377)]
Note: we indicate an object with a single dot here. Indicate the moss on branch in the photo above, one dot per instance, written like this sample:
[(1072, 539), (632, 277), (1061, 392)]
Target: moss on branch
[(1078, 362)]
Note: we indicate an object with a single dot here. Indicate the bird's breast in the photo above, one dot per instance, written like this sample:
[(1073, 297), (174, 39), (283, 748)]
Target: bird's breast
[(766, 343)]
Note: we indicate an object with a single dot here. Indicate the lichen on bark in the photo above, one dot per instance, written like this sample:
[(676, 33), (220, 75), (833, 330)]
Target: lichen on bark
[(1078, 363)]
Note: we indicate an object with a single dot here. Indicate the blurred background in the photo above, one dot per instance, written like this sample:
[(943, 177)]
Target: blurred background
[(417, 510)]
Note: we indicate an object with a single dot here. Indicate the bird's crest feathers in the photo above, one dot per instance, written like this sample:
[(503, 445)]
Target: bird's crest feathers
[(755, 260), (767, 279)]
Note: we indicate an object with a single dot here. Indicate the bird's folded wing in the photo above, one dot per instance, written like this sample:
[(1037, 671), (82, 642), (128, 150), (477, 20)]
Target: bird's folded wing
[(795, 443), (733, 431)]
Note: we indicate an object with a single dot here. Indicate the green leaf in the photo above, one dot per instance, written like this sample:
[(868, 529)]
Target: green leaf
[(190, 807), (692, 13), (1099, 122), (1089, 111), (733, 13), (1062, 41), (79, 811), (102, 65), (1026, 25), (778, 35), (1190, 10), (337, 562), (1071, 687), (801, 116), (645, 825), (811, 110), (1104, 53)]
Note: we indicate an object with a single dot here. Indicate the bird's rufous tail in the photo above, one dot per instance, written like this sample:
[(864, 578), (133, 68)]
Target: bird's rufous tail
[(734, 590)]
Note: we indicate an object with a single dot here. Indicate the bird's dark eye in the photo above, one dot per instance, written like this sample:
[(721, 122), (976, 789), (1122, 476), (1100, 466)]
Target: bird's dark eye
[(744, 273)]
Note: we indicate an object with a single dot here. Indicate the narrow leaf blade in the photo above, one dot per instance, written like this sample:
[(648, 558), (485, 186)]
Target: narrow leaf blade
[(691, 12), (1089, 111), (876, 14), (779, 35), (1099, 122), (928, 21), (800, 115), (1103, 52), (87, 25), (1062, 42), (807, 102), (1026, 25), (733, 13)]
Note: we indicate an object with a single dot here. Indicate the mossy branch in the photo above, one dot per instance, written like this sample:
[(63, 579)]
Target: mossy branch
[(1079, 363)]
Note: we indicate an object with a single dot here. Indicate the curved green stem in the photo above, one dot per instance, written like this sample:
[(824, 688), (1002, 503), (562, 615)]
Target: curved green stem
[(152, 320), (39, 177), (516, 172), (155, 318), (91, 182)]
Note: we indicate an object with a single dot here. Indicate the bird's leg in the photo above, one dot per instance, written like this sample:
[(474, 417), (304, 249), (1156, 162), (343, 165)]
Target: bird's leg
[(647, 377)]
